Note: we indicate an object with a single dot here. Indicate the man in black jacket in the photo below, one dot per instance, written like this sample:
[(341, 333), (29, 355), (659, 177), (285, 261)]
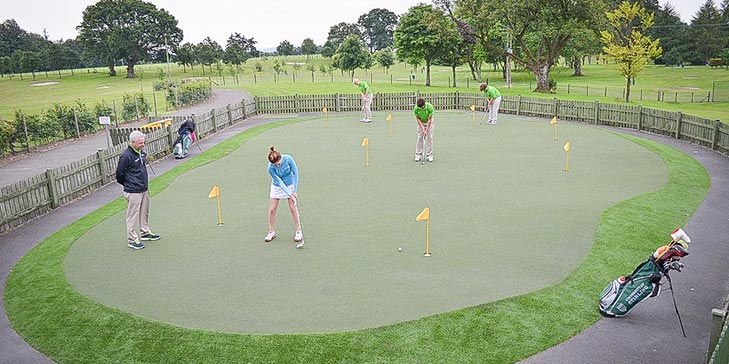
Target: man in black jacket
[(131, 172)]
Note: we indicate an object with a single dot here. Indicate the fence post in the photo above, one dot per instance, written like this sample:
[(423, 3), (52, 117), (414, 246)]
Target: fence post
[(52, 191), (640, 117), (116, 114), (715, 140), (154, 99), (678, 125), (518, 106), (556, 107), (75, 121), (597, 112), (100, 156), (230, 115), (243, 108), (171, 137), (296, 103), (336, 102), (212, 119), (458, 100)]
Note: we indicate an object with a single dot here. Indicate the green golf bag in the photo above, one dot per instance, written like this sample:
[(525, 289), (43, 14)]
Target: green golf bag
[(622, 294)]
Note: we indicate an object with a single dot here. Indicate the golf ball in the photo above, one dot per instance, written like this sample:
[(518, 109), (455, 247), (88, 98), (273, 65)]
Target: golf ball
[(399, 249)]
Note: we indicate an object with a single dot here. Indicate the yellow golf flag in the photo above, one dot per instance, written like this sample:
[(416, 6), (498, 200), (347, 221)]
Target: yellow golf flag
[(215, 192), (365, 142), (389, 117), (567, 147), (324, 110), (554, 120), (424, 215), (473, 107)]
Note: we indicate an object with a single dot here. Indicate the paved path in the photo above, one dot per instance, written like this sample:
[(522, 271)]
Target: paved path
[(35, 163), (650, 334)]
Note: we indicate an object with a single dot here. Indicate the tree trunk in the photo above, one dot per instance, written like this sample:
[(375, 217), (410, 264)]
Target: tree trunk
[(454, 75), (427, 73), (541, 73), (577, 65), (627, 91), (130, 69), (112, 71), (472, 67)]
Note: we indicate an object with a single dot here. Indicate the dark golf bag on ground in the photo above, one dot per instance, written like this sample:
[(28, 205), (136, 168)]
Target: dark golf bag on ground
[(184, 140), (622, 294)]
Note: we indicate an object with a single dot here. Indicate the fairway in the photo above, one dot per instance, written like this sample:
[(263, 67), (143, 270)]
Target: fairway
[(506, 219)]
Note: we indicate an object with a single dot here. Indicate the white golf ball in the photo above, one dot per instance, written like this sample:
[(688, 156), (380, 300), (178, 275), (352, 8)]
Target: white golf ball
[(399, 249)]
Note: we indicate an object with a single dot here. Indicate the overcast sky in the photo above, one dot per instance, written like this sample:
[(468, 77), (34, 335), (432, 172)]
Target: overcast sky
[(268, 22)]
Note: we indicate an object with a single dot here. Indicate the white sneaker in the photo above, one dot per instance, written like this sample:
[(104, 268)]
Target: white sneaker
[(417, 158), (430, 158), (298, 236), (492, 122), (367, 121), (270, 236), (300, 245), (363, 120)]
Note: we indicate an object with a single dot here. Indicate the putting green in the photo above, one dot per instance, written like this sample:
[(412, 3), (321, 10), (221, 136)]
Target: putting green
[(505, 220)]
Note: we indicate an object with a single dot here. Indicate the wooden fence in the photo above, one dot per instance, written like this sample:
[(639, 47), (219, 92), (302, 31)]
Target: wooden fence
[(28, 199)]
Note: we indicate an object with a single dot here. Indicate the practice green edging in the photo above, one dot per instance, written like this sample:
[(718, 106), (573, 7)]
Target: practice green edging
[(70, 327)]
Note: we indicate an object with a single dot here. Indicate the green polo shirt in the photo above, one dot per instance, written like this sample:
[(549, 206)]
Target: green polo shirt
[(492, 92), (364, 88), (425, 113)]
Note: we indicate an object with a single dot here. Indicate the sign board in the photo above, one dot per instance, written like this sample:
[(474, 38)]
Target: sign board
[(104, 120)]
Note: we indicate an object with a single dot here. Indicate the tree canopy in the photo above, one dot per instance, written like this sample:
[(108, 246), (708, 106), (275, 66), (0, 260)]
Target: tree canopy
[(377, 28), (131, 30)]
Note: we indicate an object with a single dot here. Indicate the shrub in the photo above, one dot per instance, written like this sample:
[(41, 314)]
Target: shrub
[(134, 106)]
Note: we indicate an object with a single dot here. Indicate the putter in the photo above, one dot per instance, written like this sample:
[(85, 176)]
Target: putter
[(488, 111), (300, 244), (422, 162)]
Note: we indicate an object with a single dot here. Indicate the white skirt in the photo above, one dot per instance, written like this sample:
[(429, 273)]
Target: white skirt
[(278, 192)]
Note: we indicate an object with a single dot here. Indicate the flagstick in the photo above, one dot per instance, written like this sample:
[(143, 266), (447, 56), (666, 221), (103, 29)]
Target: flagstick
[(390, 121), (220, 216), (367, 155), (326, 120), (427, 238), (555, 131), (567, 165), (473, 118)]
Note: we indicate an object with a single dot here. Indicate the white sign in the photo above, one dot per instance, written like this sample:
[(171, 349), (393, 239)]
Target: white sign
[(104, 120)]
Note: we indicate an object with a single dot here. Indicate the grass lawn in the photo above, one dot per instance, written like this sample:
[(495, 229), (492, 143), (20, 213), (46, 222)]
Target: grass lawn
[(72, 328), (93, 86)]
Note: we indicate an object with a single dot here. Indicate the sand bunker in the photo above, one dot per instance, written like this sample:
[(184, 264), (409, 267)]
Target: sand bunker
[(44, 83)]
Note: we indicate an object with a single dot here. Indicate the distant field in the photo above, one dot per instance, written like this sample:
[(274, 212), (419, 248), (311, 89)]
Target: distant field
[(93, 85)]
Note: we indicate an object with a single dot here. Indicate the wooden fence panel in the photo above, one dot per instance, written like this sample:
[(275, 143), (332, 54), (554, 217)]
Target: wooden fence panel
[(618, 115), (697, 130), (659, 122), (581, 111), (529, 106), (23, 201), (394, 101)]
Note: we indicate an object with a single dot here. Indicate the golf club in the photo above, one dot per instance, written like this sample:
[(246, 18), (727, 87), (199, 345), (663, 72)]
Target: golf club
[(300, 244), (484, 117), (422, 162)]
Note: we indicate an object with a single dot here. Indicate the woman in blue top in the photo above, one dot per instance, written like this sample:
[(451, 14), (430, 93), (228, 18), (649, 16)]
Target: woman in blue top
[(284, 183)]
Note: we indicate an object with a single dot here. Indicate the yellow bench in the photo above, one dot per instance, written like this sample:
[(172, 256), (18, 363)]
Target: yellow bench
[(155, 125)]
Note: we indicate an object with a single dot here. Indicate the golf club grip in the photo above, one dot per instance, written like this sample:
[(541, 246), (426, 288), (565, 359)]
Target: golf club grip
[(286, 189)]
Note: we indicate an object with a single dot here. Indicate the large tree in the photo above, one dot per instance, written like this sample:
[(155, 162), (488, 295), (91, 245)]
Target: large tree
[(540, 28), (626, 41), (131, 30), (423, 34), (308, 47), (285, 48), (208, 52), (377, 28), (338, 33), (706, 34), (235, 50), (351, 55), (673, 34)]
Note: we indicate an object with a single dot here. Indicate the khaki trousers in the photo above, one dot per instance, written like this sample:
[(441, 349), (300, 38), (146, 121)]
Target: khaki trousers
[(137, 214)]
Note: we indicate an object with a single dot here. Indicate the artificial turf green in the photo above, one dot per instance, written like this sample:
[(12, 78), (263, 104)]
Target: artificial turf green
[(70, 327)]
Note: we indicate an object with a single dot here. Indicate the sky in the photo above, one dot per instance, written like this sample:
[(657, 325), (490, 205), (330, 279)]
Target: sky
[(268, 22)]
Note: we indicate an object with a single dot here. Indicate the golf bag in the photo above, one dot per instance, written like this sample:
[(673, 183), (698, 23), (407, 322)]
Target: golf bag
[(622, 294), (185, 139)]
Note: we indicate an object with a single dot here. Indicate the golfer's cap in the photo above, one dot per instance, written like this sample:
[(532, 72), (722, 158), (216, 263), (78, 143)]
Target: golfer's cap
[(355, 80)]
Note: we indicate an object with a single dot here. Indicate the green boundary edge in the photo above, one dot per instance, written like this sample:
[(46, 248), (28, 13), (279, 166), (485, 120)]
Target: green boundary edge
[(70, 327)]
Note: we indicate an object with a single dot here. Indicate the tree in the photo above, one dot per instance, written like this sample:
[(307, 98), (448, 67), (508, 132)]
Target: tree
[(587, 42), (127, 29), (377, 28), (673, 34), (706, 34), (626, 43), (185, 56), (328, 49), (285, 48), (308, 47), (351, 55), (385, 58), (208, 52), (235, 50), (422, 35), (540, 28), (338, 33)]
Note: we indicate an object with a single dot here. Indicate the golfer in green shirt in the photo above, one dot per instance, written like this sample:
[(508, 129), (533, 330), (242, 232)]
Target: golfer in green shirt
[(364, 89), (493, 97), (424, 116)]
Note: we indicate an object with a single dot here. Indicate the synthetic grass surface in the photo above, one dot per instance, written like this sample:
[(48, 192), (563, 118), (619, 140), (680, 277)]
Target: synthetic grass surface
[(505, 220), (72, 328)]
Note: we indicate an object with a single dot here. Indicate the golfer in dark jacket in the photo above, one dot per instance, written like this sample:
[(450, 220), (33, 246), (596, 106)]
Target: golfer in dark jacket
[(131, 172)]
